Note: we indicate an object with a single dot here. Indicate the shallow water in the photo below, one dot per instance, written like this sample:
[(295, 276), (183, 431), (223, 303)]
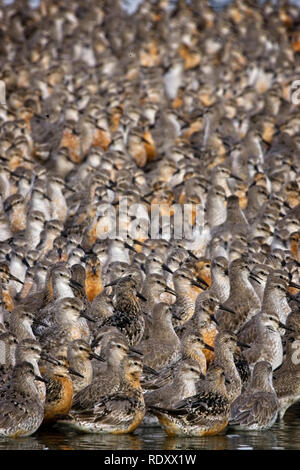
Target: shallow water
[(283, 435)]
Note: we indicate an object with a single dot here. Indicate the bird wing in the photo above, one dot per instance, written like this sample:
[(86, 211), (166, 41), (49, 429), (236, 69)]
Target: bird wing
[(242, 367), (118, 319), (114, 410), (248, 331), (53, 390), (255, 408), (282, 382), (95, 392), (195, 406), (166, 375), (85, 398), (14, 409), (201, 400), (163, 356)]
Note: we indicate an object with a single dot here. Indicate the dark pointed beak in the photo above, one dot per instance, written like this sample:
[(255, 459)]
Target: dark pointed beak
[(170, 291), (85, 315), (95, 356), (59, 251), (286, 204), (213, 318), (254, 278), (196, 284), (112, 183), (235, 177), (166, 268), (137, 242), (41, 379), (145, 200), (101, 128), (223, 307), (136, 351), (282, 325), (74, 283), (113, 283), (48, 358), (150, 193), (130, 247), (74, 372), (140, 296), (293, 284), (192, 254), (24, 261), (47, 197), (243, 345), (94, 343), (14, 278), (200, 279), (210, 348), (94, 270)]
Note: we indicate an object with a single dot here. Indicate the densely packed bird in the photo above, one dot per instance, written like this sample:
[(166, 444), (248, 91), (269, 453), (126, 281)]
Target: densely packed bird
[(149, 216)]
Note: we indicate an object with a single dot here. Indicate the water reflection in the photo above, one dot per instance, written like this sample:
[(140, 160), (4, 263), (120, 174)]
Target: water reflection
[(283, 435)]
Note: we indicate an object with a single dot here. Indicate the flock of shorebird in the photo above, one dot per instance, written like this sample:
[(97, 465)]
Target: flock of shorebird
[(172, 107)]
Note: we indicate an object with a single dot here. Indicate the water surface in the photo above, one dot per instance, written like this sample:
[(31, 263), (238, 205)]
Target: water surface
[(283, 435)]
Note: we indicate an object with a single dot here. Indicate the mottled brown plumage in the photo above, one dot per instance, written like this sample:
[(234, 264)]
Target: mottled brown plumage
[(128, 316), (204, 414)]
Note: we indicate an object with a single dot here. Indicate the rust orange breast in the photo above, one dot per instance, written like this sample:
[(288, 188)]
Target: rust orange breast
[(294, 248), (209, 335), (101, 139), (71, 141), (62, 405), (93, 286), (149, 146), (8, 301)]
